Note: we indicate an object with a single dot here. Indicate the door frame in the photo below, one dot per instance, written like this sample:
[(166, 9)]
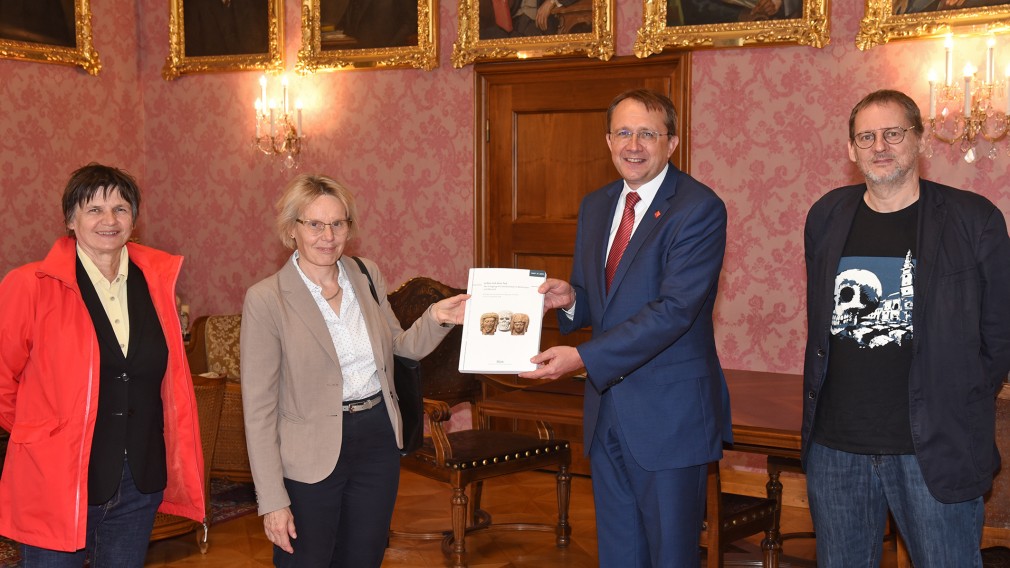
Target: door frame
[(675, 67)]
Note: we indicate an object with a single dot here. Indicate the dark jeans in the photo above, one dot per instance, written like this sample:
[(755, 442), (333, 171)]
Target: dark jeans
[(343, 521), (849, 498), (117, 534)]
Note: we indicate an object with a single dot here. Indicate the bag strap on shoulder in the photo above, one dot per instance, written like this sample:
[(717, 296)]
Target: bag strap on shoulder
[(371, 285)]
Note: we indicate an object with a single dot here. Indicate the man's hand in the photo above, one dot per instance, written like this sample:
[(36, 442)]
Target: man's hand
[(555, 362), (279, 526), (543, 13), (451, 310), (557, 294)]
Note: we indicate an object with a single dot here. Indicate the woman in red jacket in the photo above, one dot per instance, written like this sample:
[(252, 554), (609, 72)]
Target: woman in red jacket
[(95, 389)]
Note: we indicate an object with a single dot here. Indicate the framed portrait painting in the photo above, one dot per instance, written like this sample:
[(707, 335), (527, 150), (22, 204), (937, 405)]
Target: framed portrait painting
[(885, 20), (524, 29), (207, 36), (48, 31), (339, 34), (694, 24)]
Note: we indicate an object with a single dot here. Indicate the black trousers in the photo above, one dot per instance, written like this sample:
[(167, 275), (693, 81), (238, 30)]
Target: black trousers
[(343, 521)]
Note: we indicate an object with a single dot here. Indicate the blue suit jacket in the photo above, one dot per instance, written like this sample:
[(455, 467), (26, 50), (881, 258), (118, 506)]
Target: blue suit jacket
[(653, 345), (961, 318)]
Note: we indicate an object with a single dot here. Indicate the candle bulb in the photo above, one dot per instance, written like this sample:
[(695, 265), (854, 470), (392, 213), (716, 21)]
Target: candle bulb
[(968, 72), (949, 67), (298, 117), (990, 63), (272, 127), (284, 90), (932, 94), (263, 92), (259, 106), (1008, 89)]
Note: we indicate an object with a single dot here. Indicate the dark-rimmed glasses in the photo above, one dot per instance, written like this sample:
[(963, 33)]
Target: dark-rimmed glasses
[(892, 135), (340, 226)]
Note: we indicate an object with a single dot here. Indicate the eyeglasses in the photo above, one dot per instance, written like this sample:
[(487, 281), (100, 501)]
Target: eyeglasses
[(644, 136), (340, 226), (893, 135)]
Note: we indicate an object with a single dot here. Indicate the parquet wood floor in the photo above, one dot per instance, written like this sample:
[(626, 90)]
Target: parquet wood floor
[(424, 505)]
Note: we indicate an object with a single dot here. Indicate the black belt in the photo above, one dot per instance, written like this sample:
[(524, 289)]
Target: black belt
[(362, 405)]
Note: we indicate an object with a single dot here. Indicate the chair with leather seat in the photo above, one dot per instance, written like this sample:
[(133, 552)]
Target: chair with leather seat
[(464, 459), (731, 517)]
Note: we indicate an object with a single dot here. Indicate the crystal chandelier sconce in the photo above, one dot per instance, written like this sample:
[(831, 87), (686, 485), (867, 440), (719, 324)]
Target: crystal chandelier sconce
[(973, 113), (278, 126)]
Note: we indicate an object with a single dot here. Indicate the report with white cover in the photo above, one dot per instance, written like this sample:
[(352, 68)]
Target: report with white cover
[(503, 320)]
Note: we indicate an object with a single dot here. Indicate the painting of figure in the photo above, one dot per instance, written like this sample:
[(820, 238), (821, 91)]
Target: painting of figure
[(706, 12), (226, 27), (918, 6), (501, 19), (367, 24), (45, 22)]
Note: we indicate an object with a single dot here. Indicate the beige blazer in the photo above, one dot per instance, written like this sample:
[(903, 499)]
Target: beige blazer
[(292, 388)]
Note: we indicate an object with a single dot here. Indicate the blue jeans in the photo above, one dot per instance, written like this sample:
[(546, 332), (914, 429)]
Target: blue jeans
[(117, 533), (849, 498)]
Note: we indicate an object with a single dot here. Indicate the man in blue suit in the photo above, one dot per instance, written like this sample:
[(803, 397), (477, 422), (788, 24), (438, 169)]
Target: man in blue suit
[(648, 253)]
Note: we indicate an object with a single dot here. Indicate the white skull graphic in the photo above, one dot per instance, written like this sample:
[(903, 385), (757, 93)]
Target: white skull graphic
[(857, 294), (504, 320)]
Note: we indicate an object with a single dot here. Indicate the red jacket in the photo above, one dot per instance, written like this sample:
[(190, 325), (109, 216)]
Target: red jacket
[(49, 398)]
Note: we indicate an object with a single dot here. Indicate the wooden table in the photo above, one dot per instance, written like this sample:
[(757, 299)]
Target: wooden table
[(766, 407)]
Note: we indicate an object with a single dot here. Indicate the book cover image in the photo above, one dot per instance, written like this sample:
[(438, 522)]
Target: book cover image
[(503, 320)]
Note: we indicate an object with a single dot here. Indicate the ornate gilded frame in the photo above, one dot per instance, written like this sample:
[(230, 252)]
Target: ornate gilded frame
[(880, 24), (812, 29), (83, 54), (312, 58), (470, 48), (178, 63)]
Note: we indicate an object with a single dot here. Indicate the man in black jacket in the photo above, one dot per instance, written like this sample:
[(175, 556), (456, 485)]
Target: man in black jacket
[(908, 316)]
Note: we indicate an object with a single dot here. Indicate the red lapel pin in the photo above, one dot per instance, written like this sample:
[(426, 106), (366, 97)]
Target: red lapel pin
[(656, 214)]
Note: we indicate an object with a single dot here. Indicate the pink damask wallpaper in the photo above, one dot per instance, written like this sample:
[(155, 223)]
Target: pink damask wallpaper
[(768, 133)]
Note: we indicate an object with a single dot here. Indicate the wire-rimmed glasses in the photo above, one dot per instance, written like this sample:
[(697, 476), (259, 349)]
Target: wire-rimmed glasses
[(340, 226), (892, 135)]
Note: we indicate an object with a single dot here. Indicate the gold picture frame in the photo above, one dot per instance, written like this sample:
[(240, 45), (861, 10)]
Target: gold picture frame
[(566, 17), (330, 47), (804, 22), (881, 23), (211, 55), (23, 43)]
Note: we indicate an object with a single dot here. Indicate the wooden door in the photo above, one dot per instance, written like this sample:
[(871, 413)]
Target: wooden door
[(542, 147)]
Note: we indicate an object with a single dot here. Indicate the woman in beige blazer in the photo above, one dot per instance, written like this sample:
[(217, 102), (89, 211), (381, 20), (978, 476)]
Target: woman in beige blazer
[(322, 424)]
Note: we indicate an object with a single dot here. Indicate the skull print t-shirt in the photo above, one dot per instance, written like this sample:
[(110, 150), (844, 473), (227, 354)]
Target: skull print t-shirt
[(863, 405)]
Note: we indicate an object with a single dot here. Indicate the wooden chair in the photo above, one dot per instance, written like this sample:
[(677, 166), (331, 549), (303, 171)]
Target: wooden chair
[(731, 517), (209, 397), (465, 459), (214, 348), (580, 12)]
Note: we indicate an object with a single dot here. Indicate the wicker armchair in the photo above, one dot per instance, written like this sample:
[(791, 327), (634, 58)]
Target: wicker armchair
[(209, 396), (214, 348)]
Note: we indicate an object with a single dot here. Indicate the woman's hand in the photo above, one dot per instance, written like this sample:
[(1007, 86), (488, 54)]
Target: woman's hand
[(280, 528), (450, 310)]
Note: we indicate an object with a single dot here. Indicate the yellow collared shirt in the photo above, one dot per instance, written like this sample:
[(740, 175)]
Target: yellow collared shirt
[(112, 294)]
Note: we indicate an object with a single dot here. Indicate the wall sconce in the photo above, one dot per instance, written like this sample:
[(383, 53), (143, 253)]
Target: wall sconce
[(278, 126), (969, 113)]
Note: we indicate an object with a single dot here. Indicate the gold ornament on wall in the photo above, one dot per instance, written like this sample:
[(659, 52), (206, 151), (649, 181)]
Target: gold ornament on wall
[(694, 24), (335, 36), (55, 37), (515, 29), (884, 20), (208, 37)]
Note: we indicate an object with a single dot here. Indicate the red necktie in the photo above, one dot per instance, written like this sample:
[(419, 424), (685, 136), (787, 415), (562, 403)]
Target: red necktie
[(622, 237), (501, 14)]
